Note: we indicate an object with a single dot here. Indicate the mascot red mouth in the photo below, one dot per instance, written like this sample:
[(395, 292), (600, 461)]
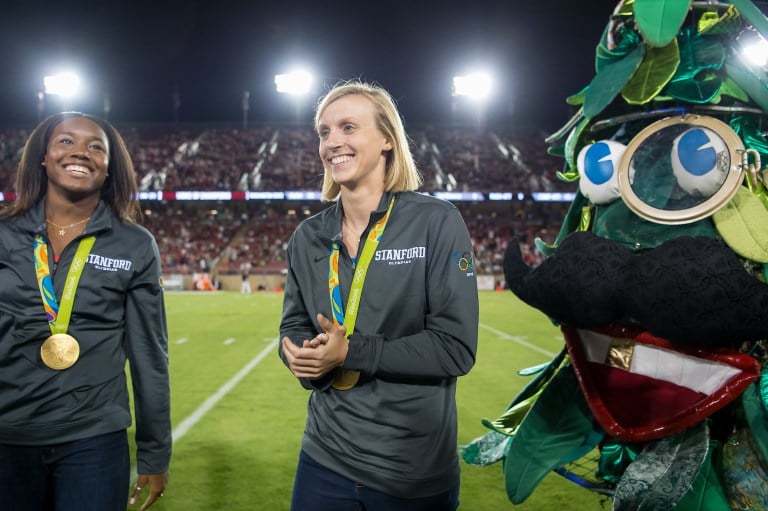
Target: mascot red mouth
[(651, 325), (672, 388)]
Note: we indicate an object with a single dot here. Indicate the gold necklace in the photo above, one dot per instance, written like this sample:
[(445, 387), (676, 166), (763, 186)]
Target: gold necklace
[(63, 228), (349, 228)]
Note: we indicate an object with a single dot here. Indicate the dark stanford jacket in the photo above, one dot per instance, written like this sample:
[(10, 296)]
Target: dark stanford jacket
[(118, 315), (416, 332)]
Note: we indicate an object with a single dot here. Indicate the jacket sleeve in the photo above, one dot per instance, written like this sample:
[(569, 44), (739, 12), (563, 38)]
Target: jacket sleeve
[(146, 341), (296, 323), (447, 345)]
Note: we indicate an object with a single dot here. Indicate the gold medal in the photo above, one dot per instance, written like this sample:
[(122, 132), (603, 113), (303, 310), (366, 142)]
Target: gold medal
[(345, 379), (60, 351)]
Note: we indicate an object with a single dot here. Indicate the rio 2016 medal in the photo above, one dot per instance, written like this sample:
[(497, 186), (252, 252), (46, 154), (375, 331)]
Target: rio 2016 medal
[(60, 351)]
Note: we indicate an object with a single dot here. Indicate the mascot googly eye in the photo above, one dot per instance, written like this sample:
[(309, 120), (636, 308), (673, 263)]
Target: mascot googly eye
[(699, 161), (598, 166)]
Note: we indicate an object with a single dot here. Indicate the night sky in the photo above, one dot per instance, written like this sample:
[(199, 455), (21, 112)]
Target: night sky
[(139, 52)]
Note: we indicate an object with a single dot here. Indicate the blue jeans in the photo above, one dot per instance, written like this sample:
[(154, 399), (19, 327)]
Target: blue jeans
[(92, 474), (318, 489)]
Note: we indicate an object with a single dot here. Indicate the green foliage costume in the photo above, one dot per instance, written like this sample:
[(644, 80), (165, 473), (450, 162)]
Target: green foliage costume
[(657, 277)]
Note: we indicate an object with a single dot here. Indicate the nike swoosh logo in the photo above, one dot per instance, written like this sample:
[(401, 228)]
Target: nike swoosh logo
[(320, 258)]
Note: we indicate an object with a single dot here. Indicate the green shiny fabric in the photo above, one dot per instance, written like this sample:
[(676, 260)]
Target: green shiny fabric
[(493, 446), (749, 130), (697, 79), (615, 457), (754, 402), (617, 222), (573, 221), (558, 428), (628, 40), (707, 492), (675, 473)]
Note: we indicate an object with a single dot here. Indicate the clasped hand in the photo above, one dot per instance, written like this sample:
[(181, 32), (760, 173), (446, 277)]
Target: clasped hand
[(318, 356)]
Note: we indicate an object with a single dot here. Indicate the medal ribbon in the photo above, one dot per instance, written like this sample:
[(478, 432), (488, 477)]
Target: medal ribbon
[(346, 379), (59, 312)]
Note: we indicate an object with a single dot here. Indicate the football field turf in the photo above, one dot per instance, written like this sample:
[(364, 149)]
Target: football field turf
[(238, 414)]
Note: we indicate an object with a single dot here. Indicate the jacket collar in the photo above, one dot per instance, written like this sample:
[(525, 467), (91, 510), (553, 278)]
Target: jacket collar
[(33, 221), (331, 228)]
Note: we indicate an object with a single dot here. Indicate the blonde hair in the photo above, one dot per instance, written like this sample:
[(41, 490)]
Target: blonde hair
[(401, 173)]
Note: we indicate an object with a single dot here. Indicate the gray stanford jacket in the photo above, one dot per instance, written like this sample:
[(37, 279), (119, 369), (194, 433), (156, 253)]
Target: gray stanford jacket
[(416, 332), (118, 315)]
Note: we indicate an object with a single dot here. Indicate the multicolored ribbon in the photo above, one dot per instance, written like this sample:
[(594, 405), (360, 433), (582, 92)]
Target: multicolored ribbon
[(346, 379), (58, 312)]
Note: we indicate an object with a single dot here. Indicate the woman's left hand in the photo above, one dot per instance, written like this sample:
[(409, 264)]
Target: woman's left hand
[(157, 484), (319, 356)]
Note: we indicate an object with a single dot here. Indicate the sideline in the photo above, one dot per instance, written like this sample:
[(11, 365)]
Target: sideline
[(187, 424), (517, 339)]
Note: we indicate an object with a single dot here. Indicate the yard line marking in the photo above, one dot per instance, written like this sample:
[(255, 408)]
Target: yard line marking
[(187, 424), (517, 339), (229, 341), (182, 340)]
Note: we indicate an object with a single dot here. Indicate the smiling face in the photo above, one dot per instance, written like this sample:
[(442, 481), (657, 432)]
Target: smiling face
[(352, 147), (77, 158)]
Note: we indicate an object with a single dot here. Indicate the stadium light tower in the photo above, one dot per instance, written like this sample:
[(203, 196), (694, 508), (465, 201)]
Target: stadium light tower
[(475, 85), (65, 85), (477, 88), (294, 83)]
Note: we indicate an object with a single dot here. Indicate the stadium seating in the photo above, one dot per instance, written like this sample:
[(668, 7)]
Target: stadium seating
[(220, 236)]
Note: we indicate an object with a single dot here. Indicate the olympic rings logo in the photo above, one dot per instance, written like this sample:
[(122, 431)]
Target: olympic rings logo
[(463, 261)]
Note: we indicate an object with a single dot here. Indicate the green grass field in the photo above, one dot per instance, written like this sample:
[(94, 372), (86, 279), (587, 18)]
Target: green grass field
[(238, 413)]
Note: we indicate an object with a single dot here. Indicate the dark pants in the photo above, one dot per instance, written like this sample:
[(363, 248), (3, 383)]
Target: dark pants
[(318, 489), (85, 475)]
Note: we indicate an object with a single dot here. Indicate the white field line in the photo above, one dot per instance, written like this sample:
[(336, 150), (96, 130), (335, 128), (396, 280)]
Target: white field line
[(229, 341), (187, 424), (517, 339), (195, 417)]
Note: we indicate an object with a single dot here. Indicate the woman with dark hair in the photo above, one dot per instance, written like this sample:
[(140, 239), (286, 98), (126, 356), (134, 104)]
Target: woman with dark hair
[(80, 294)]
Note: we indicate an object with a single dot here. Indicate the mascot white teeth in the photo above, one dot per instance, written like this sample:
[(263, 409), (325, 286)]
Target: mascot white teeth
[(657, 277)]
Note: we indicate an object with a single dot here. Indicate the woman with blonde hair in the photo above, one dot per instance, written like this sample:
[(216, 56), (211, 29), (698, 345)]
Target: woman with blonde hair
[(380, 317)]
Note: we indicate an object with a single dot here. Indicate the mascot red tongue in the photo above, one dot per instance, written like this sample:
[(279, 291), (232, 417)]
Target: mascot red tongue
[(657, 277)]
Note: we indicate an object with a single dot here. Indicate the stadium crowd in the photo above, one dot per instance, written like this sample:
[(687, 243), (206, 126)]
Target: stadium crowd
[(225, 237)]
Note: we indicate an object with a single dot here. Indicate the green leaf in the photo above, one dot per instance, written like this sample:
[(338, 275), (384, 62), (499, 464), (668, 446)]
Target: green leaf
[(732, 89), (655, 71), (698, 53), (701, 90), (660, 20), (574, 143), (628, 40), (558, 424), (697, 79), (741, 223), (609, 81)]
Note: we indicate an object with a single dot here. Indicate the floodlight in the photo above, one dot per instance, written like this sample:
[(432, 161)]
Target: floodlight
[(64, 84), (476, 85), (296, 82), (754, 49)]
